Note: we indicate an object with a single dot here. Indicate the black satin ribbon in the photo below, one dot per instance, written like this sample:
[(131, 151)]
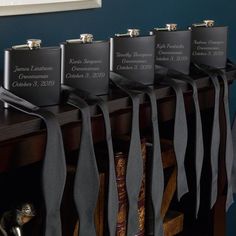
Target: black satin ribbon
[(215, 136), (234, 162), (215, 74), (234, 142), (54, 165), (180, 133), (156, 171), (157, 175), (134, 169), (215, 143), (112, 186), (86, 186), (229, 155), (199, 146)]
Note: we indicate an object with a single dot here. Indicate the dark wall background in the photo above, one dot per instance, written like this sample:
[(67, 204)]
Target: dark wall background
[(116, 16)]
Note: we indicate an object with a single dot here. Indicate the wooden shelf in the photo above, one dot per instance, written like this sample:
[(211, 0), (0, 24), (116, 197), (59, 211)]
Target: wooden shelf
[(15, 124), (173, 223), (24, 136)]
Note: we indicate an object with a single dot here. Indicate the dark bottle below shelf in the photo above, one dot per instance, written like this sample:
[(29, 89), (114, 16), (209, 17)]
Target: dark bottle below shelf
[(33, 72), (85, 64)]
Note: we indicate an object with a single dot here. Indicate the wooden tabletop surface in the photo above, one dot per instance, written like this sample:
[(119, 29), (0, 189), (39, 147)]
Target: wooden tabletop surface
[(14, 123)]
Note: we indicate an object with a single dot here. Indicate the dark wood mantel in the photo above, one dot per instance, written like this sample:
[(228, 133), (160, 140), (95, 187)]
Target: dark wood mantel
[(15, 124)]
